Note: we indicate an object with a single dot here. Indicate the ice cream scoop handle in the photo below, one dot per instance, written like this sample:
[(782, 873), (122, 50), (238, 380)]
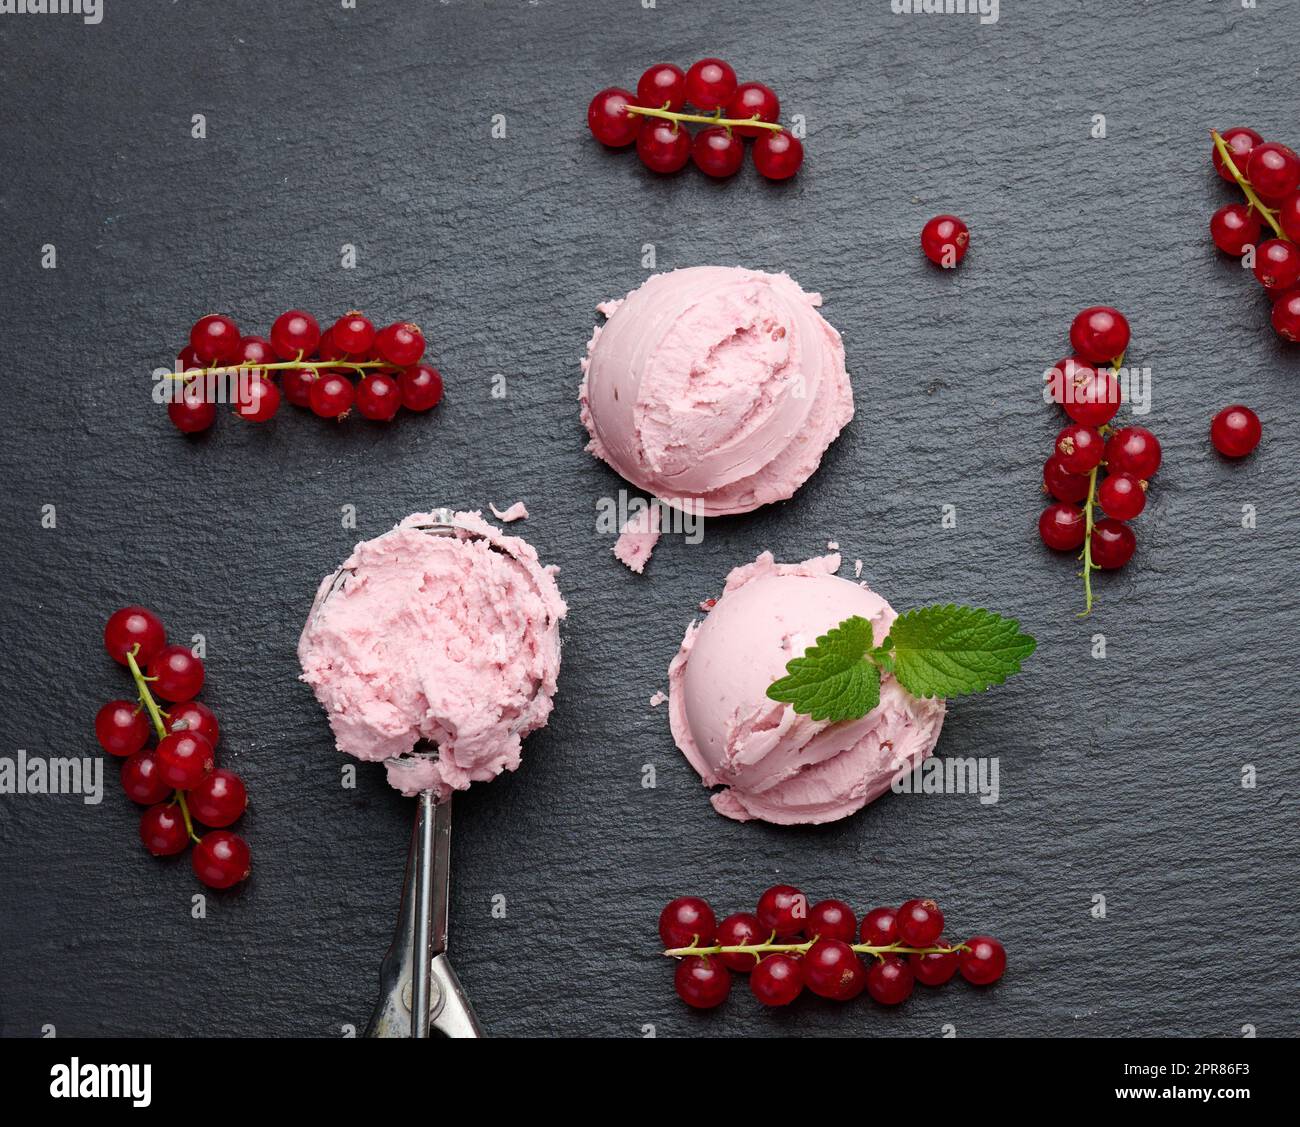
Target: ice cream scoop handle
[(423, 948)]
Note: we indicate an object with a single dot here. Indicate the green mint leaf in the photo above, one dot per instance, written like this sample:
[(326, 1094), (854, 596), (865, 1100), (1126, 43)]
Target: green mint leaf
[(945, 651), (833, 680)]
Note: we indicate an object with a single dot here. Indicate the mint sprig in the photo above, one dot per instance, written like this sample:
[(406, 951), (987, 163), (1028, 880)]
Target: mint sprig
[(939, 651)]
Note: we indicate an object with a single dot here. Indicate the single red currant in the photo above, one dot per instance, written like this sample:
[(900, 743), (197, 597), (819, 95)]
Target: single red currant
[(255, 350), (945, 240), (831, 919), (187, 359), (162, 830), (401, 344), (194, 716), (778, 156), (702, 983), (983, 961), (1112, 544), (140, 778), (1288, 214), (1122, 495), (1079, 447), (1100, 334), (1061, 527), (189, 411), (353, 333), (1235, 432), (1234, 228), (1273, 171), (685, 922), (122, 727), (832, 969), (295, 334), (880, 927), (1093, 396), (221, 859), (218, 799), (327, 350), (296, 384), (215, 340), (1061, 376), (1133, 450), (379, 397), (718, 152), (662, 87), (609, 121), (421, 388), (890, 980), (332, 396), (184, 758), (710, 83), (777, 980), (1240, 142), (175, 674), (1062, 484), (936, 968), (256, 399), (752, 100), (1286, 315), (920, 923), (663, 146), (1277, 265), (131, 627), (783, 909), (740, 930)]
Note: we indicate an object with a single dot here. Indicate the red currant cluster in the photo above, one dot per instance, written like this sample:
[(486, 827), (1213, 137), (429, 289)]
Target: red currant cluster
[(1090, 393), (314, 369), (653, 117), (785, 945), (1269, 175), (175, 778)]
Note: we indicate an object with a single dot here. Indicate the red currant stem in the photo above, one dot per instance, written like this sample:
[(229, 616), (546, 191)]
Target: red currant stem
[(1225, 155), (760, 949), (156, 715), (285, 365), (715, 118), (1090, 517)]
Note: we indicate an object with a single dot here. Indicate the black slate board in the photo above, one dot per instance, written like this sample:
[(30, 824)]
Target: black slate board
[(326, 126)]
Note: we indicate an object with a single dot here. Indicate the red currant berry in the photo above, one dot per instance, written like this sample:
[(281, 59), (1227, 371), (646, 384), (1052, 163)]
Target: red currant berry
[(752, 100), (194, 716), (783, 909), (1100, 334), (1240, 142), (702, 983), (162, 830), (609, 121), (1273, 171), (421, 388), (187, 359), (1234, 228), (131, 627), (1079, 447), (332, 396), (1061, 527), (1062, 484), (890, 980), (718, 152), (140, 778), (944, 240), (1277, 265), (295, 334), (353, 333), (983, 961), (327, 350), (832, 969), (1289, 216), (379, 397), (121, 727), (1061, 376), (1133, 450), (1093, 396), (1286, 315), (663, 146), (777, 980), (778, 156), (936, 968), (1113, 543), (189, 411), (256, 399), (831, 919), (880, 927), (1122, 495), (1235, 432), (296, 384), (710, 83), (401, 344), (920, 923), (215, 340), (740, 930), (175, 674), (255, 351), (184, 758), (221, 859), (685, 922), (662, 87), (218, 799)]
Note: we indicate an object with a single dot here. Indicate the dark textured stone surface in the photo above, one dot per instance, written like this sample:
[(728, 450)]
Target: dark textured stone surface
[(326, 126)]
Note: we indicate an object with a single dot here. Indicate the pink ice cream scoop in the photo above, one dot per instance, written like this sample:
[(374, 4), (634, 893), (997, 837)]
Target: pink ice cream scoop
[(715, 387), (776, 764)]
